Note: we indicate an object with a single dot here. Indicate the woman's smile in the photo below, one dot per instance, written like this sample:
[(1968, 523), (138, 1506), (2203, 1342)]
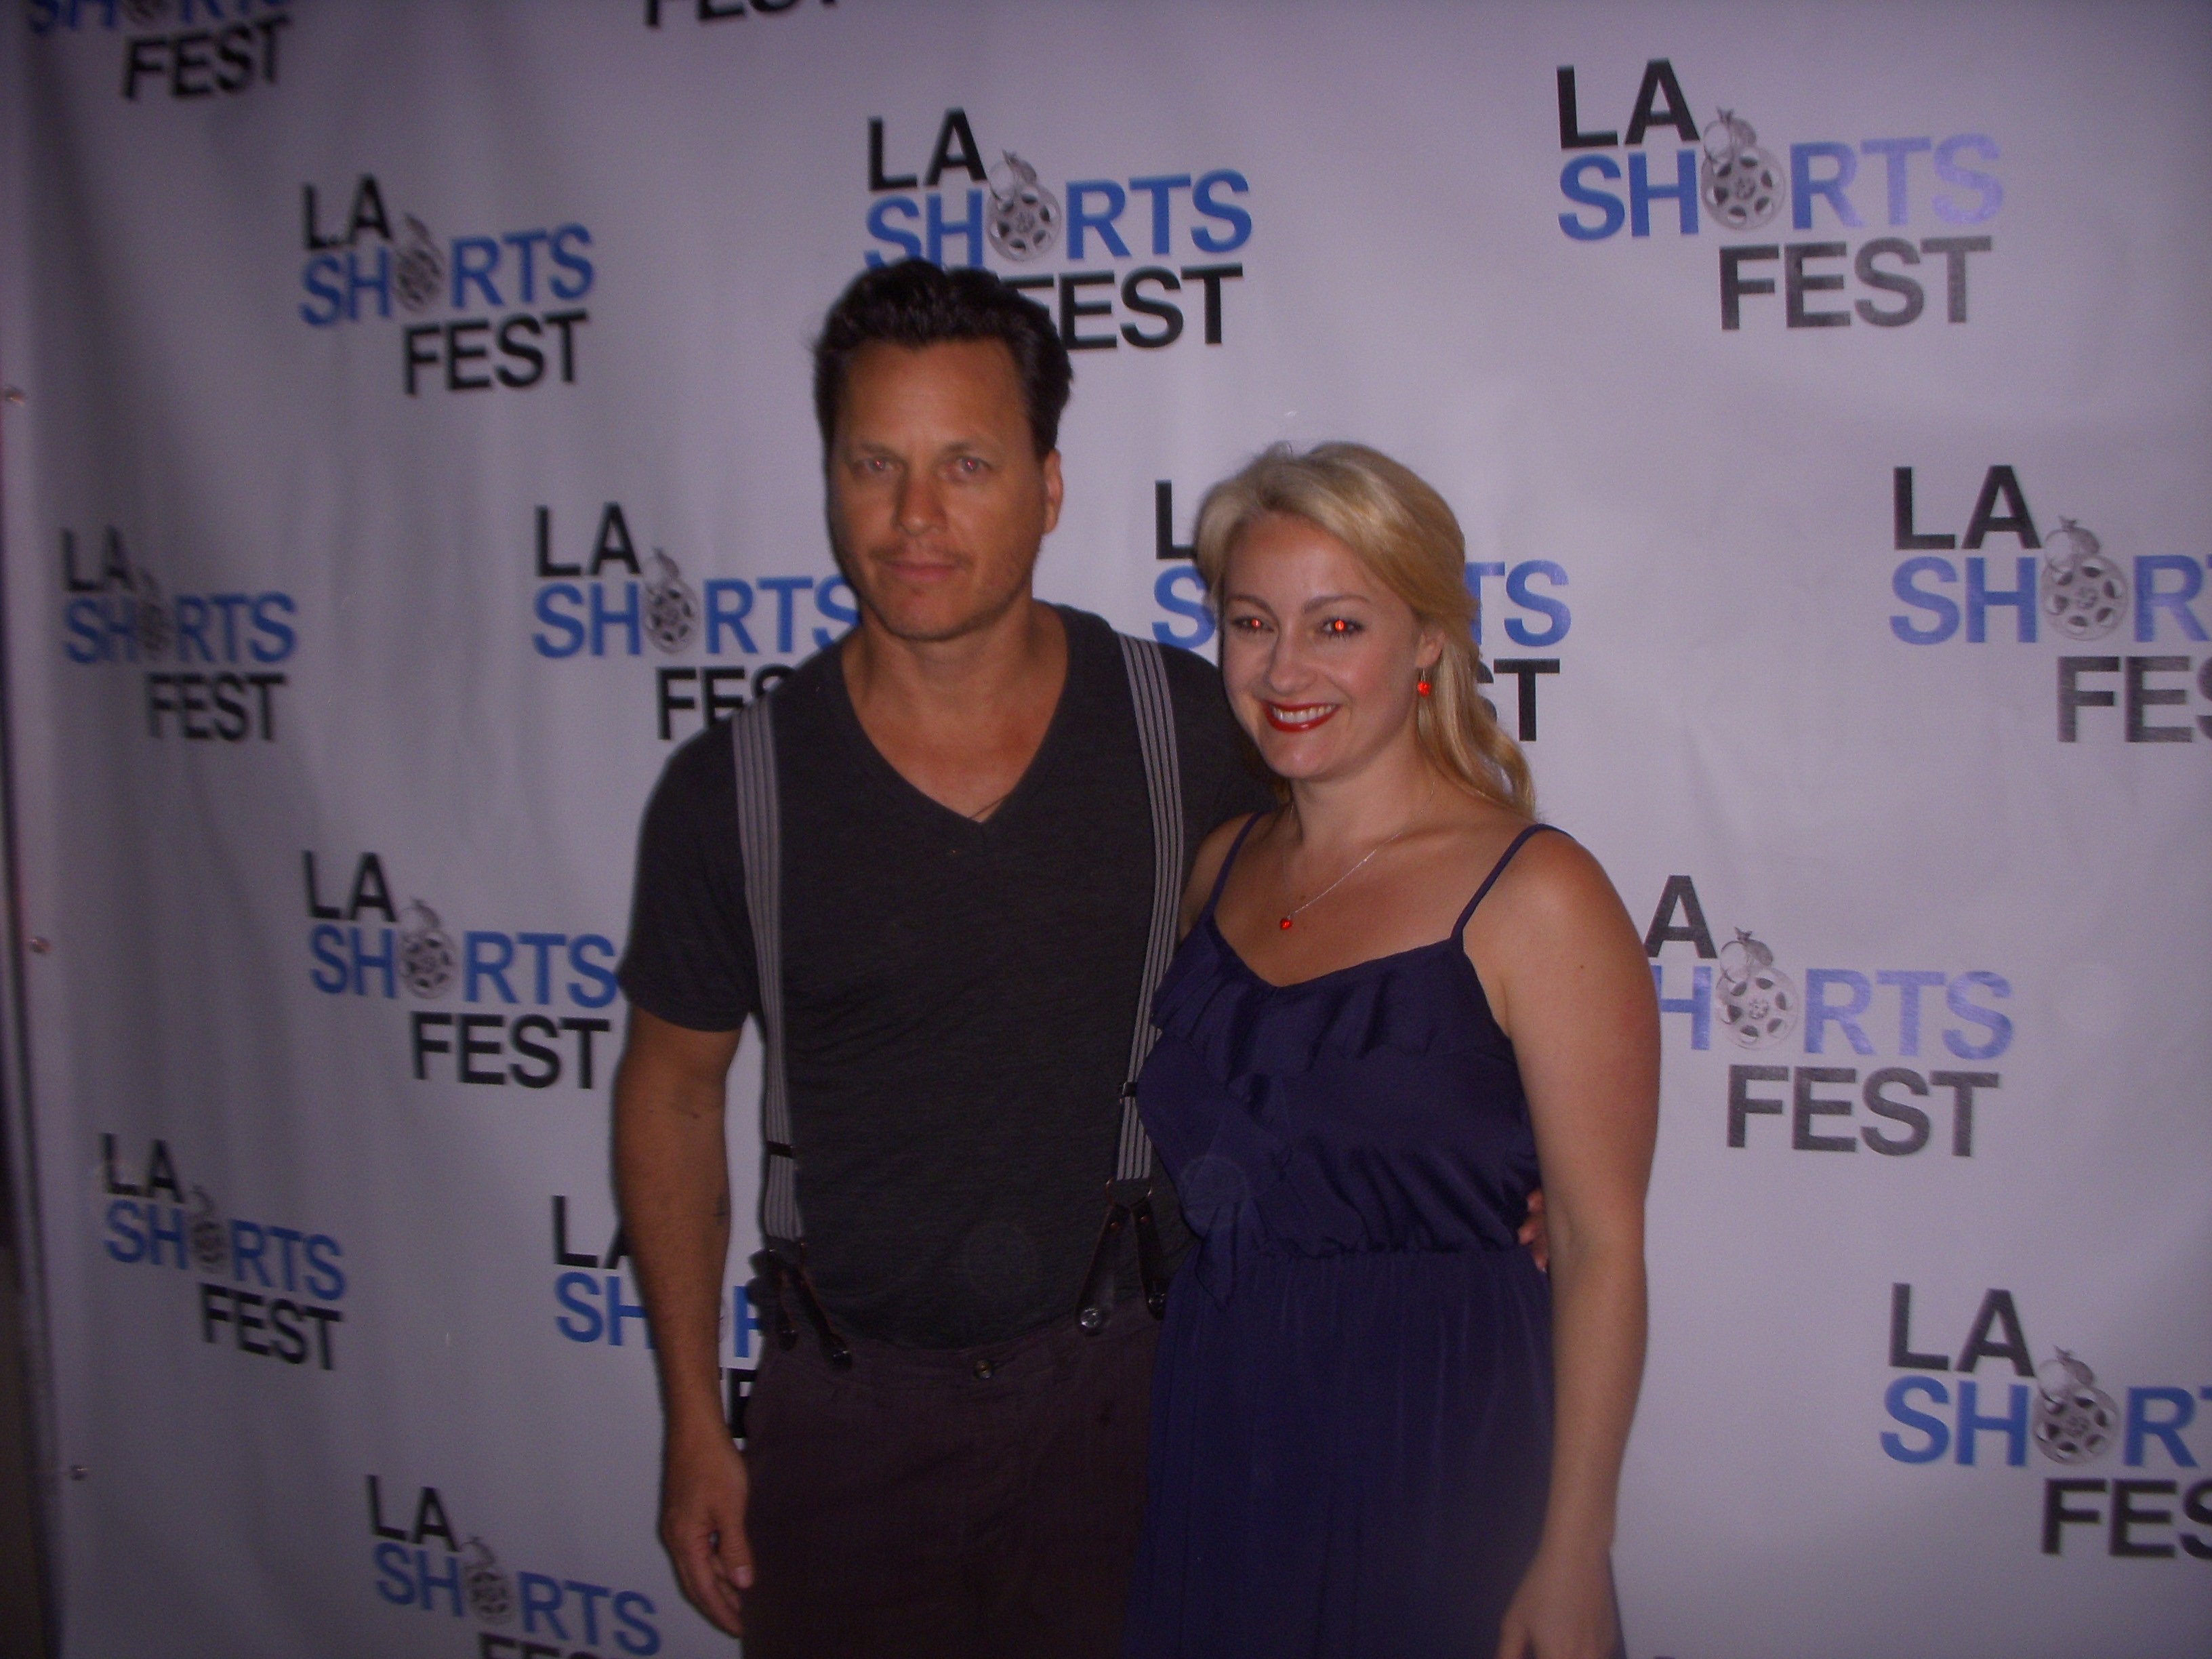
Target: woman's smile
[(1298, 717)]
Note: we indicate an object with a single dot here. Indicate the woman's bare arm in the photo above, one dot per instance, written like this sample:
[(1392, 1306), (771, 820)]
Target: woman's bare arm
[(1573, 990)]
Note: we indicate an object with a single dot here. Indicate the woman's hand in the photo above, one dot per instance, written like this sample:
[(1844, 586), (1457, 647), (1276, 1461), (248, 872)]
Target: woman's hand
[(1563, 1610)]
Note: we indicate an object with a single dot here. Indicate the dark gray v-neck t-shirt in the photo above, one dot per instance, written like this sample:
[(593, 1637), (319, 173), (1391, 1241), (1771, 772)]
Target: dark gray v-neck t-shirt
[(959, 996)]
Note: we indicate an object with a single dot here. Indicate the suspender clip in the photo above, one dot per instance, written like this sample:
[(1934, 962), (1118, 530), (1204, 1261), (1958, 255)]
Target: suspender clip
[(784, 1266), (1097, 1301), (1151, 1263), (1128, 1204)]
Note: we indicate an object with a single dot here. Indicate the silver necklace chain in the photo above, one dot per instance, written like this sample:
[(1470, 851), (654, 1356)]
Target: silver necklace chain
[(1415, 818)]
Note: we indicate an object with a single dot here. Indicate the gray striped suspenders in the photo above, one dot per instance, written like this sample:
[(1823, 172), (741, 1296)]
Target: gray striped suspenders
[(1156, 736), (1129, 1195), (782, 1260)]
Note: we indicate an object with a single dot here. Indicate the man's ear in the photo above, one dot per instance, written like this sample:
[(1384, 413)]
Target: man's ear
[(1052, 491)]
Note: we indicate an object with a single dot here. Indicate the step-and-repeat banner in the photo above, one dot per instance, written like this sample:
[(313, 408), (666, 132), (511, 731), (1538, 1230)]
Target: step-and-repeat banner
[(409, 442)]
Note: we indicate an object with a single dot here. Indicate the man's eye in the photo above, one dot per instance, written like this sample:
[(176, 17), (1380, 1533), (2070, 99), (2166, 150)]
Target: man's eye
[(968, 466)]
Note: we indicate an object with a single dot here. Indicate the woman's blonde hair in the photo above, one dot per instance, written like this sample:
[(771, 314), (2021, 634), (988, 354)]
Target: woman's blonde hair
[(1405, 534)]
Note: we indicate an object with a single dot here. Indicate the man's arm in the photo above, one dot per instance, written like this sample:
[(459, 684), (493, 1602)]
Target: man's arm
[(672, 1180)]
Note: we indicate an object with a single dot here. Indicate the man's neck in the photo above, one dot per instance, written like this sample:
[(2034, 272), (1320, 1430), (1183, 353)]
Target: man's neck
[(960, 719), (1001, 666)]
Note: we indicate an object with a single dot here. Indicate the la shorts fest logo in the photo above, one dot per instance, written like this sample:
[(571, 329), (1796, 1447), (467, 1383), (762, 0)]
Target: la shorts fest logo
[(1932, 1035), (209, 660), (1148, 251), (182, 50), (491, 309), (2060, 584), (361, 943), (425, 1562), (1731, 171), (263, 1290), (2122, 1477), (599, 1307), (1143, 261), (610, 595)]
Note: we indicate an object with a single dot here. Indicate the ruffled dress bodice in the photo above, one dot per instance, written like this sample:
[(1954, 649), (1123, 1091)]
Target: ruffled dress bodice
[(1375, 1108)]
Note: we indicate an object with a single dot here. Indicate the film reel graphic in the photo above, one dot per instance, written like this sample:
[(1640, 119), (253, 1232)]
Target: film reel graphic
[(1024, 219), (1740, 182), (427, 961), (671, 609), (1758, 1001), (418, 273), (489, 1591), (2075, 1418), (210, 1239), (2084, 591)]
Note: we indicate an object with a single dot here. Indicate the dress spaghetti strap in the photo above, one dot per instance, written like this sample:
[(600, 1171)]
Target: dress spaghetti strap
[(1221, 877), (1496, 871)]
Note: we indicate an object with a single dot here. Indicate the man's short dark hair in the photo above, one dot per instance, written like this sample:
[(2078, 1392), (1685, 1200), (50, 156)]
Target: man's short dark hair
[(914, 303)]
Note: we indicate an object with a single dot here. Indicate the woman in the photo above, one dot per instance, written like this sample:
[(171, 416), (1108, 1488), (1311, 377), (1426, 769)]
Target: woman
[(1376, 1429)]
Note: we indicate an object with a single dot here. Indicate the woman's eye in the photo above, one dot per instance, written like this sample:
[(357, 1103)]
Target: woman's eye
[(1339, 627), (1246, 624)]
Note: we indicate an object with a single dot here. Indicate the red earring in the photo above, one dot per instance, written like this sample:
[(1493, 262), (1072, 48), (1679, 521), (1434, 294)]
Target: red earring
[(1422, 686)]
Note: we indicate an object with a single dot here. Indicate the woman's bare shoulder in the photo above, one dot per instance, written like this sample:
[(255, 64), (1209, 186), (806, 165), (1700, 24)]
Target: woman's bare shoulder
[(1553, 895), (1212, 853), (1552, 919), (1551, 879)]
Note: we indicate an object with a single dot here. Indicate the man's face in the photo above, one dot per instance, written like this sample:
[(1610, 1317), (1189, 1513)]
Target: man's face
[(938, 500)]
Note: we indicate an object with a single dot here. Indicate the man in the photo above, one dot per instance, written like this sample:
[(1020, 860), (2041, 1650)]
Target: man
[(966, 874)]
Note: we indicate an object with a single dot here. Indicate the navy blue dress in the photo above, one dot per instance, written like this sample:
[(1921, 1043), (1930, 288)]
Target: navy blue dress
[(1352, 1409)]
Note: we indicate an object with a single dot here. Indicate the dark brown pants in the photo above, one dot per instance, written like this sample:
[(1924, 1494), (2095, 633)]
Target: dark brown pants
[(980, 1502)]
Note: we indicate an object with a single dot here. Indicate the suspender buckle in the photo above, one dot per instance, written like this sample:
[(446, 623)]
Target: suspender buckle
[(783, 1265), (1097, 1301), (1128, 1205), (1151, 1261)]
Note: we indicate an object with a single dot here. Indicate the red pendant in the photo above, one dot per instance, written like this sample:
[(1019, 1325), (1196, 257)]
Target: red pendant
[(1285, 923)]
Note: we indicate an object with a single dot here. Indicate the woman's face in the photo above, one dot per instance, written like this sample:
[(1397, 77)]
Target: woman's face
[(1319, 659)]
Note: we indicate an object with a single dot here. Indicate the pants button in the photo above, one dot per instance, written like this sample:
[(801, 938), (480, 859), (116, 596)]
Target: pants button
[(983, 1370)]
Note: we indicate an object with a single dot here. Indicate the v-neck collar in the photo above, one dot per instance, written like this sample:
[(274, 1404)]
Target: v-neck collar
[(1073, 685)]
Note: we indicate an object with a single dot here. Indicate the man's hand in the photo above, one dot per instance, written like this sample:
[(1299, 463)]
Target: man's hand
[(702, 1526), (1535, 1235)]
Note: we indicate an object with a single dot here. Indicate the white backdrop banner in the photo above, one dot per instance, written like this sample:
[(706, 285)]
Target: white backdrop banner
[(414, 444)]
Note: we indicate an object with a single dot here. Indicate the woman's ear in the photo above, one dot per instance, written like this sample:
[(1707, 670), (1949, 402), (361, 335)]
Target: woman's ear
[(1428, 647)]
